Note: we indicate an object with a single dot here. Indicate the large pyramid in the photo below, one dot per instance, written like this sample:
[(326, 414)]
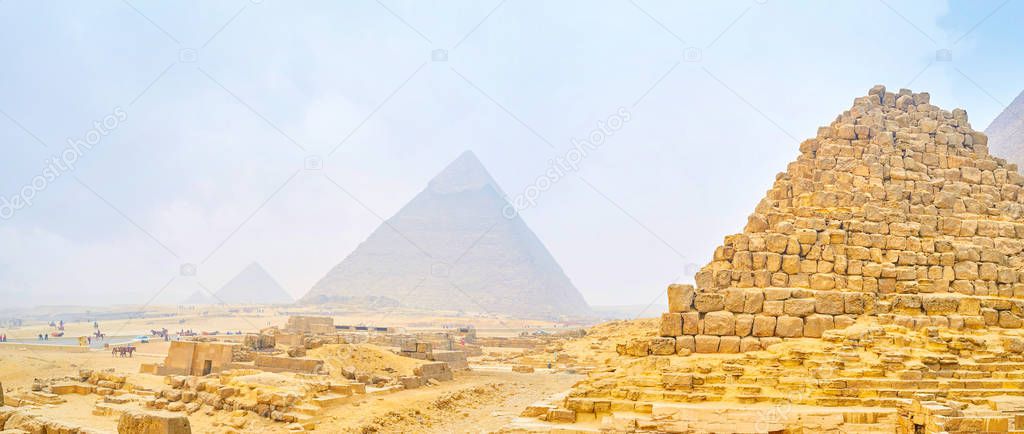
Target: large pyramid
[(1006, 132), (452, 248), (252, 286)]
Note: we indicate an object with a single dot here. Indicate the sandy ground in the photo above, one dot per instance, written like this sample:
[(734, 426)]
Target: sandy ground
[(18, 367), (473, 402), (481, 400)]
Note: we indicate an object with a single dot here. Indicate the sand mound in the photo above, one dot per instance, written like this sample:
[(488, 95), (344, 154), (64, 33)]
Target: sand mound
[(366, 358)]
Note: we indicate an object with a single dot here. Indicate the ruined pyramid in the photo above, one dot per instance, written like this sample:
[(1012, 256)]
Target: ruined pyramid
[(877, 288), (1006, 132), (252, 286), (895, 209), (452, 248)]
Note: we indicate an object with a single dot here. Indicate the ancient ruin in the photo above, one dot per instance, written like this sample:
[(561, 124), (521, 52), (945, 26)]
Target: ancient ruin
[(880, 274), (457, 245)]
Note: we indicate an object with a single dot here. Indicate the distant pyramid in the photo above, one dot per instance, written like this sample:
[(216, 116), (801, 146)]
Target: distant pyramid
[(451, 248), (199, 297), (1006, 132), (252, 286)]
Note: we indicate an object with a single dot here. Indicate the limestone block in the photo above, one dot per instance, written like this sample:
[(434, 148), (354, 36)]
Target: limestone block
[(966, 270), (680, 298), (773, 308), (560, 415), (764, 326), (744, 324), (988, 271), (956, 322), (721, 323), (691, 323), (750, 343), (776, 243), (846, 132), (1013, 344), (706, 344), (709, 302), (684, 345), (939, 304), (822, 281), (844, 321), (671, 324), (800, 307), (753, 301), (704, 279), (815, 325), (638, 347), (853, 302), (907, 302), (734, 299), (1009, 320), (991, 316), (774, 294), (830, 303), (677, 381), (974, 322), (663, 346), (156, 422), (729, 344), (789, 327), (769, 341)]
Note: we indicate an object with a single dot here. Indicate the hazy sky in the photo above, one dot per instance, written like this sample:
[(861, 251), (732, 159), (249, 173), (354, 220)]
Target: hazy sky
[(214, 109)]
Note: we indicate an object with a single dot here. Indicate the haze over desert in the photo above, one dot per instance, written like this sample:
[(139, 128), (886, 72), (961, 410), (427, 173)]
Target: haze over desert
[(511, 217)]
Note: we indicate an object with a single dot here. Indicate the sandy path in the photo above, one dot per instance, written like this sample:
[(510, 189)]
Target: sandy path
[(489, 401)]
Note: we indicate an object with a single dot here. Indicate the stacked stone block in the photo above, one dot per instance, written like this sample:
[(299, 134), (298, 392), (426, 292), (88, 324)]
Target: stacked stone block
[(896, 209)]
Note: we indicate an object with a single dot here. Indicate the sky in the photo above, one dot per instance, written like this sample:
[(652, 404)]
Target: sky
[(203, 136)]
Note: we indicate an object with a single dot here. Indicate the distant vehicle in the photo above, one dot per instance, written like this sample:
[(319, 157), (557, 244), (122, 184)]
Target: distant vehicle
[(142, 339)]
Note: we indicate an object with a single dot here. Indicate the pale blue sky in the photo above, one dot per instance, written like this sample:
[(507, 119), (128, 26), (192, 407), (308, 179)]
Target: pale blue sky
[(207, 167)]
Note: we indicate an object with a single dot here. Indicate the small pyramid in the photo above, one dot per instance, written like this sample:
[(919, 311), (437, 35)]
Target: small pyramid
[(1006, 132), (252, 286), (452, 248), (896, 210), (199, 298)]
